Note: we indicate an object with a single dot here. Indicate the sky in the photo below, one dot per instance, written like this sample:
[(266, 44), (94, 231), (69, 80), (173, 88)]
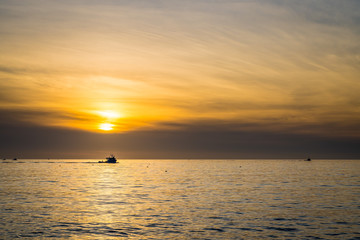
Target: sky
[(180, 79)]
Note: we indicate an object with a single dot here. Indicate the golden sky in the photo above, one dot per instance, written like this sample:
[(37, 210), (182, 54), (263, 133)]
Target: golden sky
[(115, 66)]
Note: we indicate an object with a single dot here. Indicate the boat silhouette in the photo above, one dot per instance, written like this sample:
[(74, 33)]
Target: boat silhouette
[(111, 159)]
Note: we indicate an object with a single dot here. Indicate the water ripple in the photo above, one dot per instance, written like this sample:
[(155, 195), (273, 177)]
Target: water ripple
[(192, 200)]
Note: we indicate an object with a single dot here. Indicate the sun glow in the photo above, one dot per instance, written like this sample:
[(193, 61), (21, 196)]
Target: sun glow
[(109, 114), (108, 117), (106, 126)]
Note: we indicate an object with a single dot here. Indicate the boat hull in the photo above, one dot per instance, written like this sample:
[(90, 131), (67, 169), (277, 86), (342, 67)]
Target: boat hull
[(110, 159)]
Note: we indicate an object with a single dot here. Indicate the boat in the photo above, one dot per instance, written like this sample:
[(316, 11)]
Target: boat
[(308, 160), (111, 159)]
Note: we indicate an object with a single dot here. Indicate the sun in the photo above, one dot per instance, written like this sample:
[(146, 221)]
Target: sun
[(106, 126), (107, 118)]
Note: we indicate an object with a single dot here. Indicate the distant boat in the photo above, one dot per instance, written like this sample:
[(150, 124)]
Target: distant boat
[(308, 160), (110, 159)]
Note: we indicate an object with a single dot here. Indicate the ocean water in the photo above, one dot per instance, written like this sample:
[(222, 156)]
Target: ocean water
[(180, 199)]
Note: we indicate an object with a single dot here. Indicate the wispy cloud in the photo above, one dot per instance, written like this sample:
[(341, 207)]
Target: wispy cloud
[(268, 63)]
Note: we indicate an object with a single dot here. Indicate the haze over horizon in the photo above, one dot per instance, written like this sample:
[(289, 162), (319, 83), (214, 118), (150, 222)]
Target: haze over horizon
[(180, 79)]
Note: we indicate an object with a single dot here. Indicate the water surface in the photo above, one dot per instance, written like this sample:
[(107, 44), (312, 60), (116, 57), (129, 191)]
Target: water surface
[(180, 199)]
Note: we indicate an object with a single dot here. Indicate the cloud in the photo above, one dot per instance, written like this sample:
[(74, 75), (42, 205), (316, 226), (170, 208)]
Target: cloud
[(209, 140), (239, 66)]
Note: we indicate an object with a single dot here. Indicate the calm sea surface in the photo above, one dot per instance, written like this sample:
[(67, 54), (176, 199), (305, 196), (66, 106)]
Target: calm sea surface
[(180, 199)]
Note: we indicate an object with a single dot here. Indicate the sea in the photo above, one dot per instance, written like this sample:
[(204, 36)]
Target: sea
[(179, 199)]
